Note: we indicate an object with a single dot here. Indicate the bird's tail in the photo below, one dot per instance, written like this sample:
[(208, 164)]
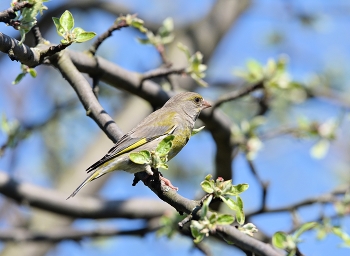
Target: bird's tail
[(96, 174)]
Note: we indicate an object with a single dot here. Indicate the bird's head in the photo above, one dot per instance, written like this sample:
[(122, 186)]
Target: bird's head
[(190, 102)]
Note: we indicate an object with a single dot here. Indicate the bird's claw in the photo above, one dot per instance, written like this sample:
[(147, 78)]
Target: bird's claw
[(168, 183)]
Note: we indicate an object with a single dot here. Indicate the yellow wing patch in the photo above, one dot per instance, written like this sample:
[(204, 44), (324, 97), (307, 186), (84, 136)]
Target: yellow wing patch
[(133, 146)]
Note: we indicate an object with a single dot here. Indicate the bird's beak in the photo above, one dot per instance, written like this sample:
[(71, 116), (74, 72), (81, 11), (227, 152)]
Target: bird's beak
[(206, 104)]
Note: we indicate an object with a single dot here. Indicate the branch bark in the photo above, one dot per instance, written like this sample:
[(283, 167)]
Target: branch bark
[(80, 207), (59, 235)]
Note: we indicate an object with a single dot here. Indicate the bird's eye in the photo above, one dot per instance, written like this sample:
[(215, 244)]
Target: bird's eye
[(197, 99)]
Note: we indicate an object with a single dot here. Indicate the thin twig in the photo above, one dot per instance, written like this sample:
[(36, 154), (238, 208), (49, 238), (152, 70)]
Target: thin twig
[(263, 102), (160, 48), (280, 132), (83, 89), (263, 185), (52, 50), (95, 86), (238, 93), (9, 14), (162, 72), (27, 128), (327, 198), (37, 35), (116, 26)]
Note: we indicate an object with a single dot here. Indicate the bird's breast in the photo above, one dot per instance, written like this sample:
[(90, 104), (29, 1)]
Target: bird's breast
[(182, 136)]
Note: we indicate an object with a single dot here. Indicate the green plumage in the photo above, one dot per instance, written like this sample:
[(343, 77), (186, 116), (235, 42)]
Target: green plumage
[(176, 117)]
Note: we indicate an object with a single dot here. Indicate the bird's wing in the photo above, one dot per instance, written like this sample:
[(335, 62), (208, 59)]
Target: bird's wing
[(133, 140)]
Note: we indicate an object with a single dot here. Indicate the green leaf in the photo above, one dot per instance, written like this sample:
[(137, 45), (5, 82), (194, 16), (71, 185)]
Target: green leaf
[(197, 130), (185, 49), (85, 36), (279, 240), (168, 25), (32, 72), (212, 219), (196, 228), (59, 28), (199, 238), (162, 165), (142, 157), (321, 232), (67, 21), (208, 177), (305, 227), (138, 24), (199, 81), (229, 202), (237, 189), (143, 40), (76, 31), (271, 67), (19, 78), (205, 206), (65, 42), (165, 145), (225, 219), (255, 69), (249, 229), (207, 186), (344, 236), (239, 211), (165, 31), (224, 186)]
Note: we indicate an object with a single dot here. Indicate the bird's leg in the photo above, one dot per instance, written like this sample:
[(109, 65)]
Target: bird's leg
[(167, 182), (152, 173)]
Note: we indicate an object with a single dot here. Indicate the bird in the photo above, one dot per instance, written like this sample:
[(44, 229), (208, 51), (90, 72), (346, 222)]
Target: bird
[(177, 117)]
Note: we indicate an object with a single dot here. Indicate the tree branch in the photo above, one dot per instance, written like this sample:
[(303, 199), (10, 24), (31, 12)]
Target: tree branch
[(263, 185), (246, 242), (80, 207), (245, 90), (58, 235), (22, 53), (105, 35), (330, 197), (9, 14), (87, 97), (162, 72)]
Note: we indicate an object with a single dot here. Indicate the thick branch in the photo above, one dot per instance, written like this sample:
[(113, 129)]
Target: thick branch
[(87, 97), (58, 235), (246, 242), (9, 14), (31, 57), (80, 207), (168, 195), (22, 53)]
